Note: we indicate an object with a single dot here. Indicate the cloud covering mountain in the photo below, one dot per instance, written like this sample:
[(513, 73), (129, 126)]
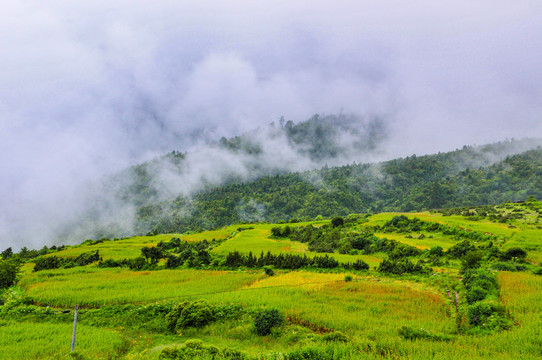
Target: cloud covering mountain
[(88, 88)]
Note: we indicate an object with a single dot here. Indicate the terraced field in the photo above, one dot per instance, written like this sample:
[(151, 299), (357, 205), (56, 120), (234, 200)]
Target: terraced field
[(352, 313)]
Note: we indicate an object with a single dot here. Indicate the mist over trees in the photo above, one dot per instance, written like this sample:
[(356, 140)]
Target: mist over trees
[(409, 184), (295, 171)]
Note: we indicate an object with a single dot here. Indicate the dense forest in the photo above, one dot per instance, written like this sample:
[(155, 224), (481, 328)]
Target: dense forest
[(409, 184)]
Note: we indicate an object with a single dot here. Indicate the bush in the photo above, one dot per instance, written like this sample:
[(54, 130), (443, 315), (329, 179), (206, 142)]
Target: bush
[(348, 278), (195, 349), (479, 312), (173, 316), (276, 231), (139, 263), (360, 265), (481, 278), (337, 221), (47, 263), (195, 314), (437, 251), (475, 294), (269, 270), (514, 252), (508, 266), (471, 260), (190, 314), (265, 320), (538, 270), (9, 271), (408, 333), (110, 263), (335, 336)]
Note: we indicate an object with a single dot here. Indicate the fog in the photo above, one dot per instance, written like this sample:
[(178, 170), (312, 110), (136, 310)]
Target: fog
[(89, 88)]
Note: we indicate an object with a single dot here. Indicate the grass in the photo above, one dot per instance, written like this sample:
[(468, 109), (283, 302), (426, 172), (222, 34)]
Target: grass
[(258, 240), (116, 249), (369, 309), (426, 243), (96, 287), (27, 340)]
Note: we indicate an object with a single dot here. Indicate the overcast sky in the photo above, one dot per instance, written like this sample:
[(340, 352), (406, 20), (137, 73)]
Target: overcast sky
[(90, 87)]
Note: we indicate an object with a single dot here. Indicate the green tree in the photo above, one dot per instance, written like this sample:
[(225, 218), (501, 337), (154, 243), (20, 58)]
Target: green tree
[(7, 253), (266, 319), (471, 260), (337, 221), (9, 271)]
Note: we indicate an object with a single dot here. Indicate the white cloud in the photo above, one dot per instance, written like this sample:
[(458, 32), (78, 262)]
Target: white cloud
[(90, 87)]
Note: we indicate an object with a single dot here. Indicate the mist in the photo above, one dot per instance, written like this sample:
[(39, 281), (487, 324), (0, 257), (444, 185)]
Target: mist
[(90, 88)]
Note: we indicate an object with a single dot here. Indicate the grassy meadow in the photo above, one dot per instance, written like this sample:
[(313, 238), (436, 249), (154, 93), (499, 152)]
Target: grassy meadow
[(338, 313)]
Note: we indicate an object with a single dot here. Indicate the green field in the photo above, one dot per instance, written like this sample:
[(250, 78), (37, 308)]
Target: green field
[(336, 313)]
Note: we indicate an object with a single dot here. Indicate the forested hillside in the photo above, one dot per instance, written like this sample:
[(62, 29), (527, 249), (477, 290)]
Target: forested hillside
[(414, 183)]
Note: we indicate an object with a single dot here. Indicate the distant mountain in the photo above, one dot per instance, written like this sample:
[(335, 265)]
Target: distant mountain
[(470, 176)]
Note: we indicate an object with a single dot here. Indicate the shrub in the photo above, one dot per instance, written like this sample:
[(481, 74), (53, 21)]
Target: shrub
[(360, 243), (481, 278), (460, 249), (269, 270), (195, 349), (348, 278), (195, 314), (47, 263), (514, 252), (276, 231), (266, 319), (190, 314), (6, 254), (475, 294), (480, 311), (110, 263), (139, 263), (360, 265), (337, 221), (173, 316), (508, 266), (408, 333), (436, 251), (9, 271), (471, 260), (335, 336), (538, 270)]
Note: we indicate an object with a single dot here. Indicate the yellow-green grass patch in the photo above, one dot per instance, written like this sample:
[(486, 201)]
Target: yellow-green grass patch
[(116, 249), (258, 240), (426, 243), (89, 286), (28, 340)]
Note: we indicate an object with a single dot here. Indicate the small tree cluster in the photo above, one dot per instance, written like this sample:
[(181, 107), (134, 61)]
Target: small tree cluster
[(54, 262), (281, 261), (281, 232)]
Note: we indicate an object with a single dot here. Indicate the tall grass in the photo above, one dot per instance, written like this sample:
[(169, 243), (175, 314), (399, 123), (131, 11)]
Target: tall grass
[(53, 341), (97, 287)]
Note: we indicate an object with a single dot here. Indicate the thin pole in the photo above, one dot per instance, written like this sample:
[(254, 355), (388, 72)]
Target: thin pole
[(74, 326)]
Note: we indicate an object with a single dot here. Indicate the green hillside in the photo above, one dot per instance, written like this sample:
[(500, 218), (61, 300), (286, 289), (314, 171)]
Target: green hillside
[(411, 184), (459, 283)]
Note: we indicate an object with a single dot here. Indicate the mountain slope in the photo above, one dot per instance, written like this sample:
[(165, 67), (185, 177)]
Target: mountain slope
[(413, 183)]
